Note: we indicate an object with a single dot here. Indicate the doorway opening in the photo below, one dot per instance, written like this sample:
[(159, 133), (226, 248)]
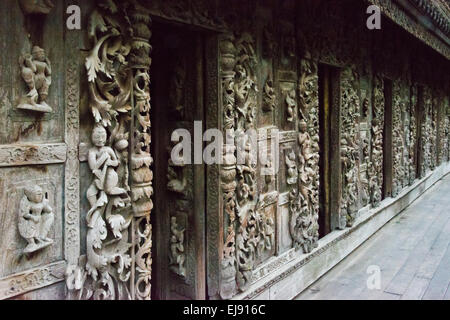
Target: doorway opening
[(178, 217), (329, 164)]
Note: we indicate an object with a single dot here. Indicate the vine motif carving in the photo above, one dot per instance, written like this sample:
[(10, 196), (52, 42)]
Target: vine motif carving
[(72, 179), (349, 148), (304, 198), (428, 133), (228, 169), (376, 165), (11, 155), (246, 100), (117, 69)]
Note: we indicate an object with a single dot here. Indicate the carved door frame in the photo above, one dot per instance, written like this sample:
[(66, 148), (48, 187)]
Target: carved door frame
[(203, 224)]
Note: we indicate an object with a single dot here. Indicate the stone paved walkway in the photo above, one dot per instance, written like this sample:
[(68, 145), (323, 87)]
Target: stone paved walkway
[(412, 253)]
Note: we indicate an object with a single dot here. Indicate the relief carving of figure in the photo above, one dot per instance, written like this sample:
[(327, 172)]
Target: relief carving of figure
[(103, 161), (291, 104), (36, 71), (177, 256), (36, 217), (292, 173)]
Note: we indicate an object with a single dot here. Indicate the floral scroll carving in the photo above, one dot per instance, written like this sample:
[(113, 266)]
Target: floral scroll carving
[(246, 101), (304, 198), (428, 135), (376, 163), (349, 147), (228, 169), (117, 69)]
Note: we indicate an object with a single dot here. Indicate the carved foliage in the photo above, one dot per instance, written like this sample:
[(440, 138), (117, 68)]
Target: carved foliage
[(246, 101), (376, 165), (118, 61), (304, 198), (349, 147), (428, 133), (228, 169)]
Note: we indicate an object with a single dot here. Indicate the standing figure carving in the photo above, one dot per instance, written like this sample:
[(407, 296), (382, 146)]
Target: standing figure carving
[(177, 256), (36, 217), (36, 71)]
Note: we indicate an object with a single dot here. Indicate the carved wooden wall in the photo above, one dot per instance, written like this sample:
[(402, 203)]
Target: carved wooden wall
[(77, 114)]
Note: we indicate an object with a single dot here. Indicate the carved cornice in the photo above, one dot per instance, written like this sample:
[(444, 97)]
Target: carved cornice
[(438, 11), (404, 20)]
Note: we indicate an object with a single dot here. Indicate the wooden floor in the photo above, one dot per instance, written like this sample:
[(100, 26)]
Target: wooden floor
[(412, 253)]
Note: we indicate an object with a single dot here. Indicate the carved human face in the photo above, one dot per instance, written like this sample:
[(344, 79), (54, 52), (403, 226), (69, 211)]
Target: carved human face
[(39, 55), (35, 194), (302, 126), (99, 136)]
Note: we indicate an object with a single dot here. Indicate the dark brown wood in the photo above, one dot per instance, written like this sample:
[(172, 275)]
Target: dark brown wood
[(199, 179), (214, 214), (325, 176), (335, 147), (387, 142)]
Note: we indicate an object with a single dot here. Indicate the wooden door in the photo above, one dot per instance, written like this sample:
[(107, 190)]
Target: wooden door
[(179, 213)]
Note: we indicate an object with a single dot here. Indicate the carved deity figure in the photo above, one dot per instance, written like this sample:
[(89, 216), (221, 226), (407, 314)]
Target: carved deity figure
[(177, 256), (304, 141), (103, 161), (292, 173), (35, 219), (291, 104), (270, 99), (36, 71)]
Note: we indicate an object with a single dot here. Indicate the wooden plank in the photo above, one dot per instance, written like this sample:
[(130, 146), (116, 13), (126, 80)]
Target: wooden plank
[(441, 279), (416, 289), (404, 276)]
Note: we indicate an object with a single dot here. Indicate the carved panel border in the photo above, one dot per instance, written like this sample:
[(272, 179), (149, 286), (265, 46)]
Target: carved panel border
[(72, 125), (27, 154), (33, 279)]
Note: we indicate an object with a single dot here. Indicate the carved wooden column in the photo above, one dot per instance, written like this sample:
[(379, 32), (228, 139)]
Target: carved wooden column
[(228, 168), (376, 167), (141, 160)]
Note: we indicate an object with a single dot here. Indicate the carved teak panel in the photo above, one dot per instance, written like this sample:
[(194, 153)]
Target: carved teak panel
[(320, 121)]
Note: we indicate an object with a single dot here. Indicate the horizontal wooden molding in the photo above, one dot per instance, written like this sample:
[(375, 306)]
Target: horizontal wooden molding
[(33, 279), (32, 154)]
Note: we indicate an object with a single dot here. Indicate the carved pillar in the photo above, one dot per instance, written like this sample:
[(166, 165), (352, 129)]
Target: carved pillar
[(376, 165), (117, 264), (349, 150), (228, 168), (141, 160)]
